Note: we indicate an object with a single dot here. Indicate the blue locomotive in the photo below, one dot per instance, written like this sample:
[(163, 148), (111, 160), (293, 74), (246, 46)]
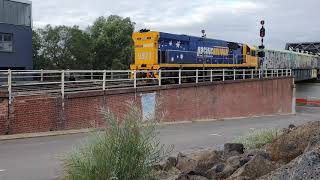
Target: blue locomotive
[(159, 50)]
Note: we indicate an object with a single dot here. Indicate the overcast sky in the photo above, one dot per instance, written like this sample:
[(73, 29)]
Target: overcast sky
[(234, 20)]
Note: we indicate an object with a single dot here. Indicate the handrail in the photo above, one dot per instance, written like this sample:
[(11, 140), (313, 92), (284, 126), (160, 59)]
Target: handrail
[(21, 82)]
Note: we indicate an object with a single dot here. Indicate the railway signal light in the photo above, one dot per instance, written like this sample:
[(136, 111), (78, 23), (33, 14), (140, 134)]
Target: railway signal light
[(261, 54), (262, 32)]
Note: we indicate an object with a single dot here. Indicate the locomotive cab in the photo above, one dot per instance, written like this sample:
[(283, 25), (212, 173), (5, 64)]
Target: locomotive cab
[(145, 51), (250, 56)]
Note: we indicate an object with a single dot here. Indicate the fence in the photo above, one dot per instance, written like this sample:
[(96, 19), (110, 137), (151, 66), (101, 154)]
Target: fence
[(19, 83)]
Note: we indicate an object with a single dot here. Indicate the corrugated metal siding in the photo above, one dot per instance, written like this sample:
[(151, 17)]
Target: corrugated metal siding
[(15, 13)]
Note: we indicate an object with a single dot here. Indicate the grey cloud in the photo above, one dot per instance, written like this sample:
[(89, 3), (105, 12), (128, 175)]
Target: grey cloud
[(234, 20)]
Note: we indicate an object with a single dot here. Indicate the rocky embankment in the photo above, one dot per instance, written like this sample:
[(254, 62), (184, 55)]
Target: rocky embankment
[(295, 154)]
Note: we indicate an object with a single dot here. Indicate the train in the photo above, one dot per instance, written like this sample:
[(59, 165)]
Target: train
[(165, 51)]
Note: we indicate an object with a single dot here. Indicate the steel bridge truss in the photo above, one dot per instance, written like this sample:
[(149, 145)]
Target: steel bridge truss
[(306, 47)]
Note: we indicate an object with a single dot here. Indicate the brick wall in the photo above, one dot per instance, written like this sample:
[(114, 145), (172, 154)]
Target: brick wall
[(3, 115), (174, 103)]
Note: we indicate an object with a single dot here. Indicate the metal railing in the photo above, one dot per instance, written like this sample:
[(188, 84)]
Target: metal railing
[(26, 82)]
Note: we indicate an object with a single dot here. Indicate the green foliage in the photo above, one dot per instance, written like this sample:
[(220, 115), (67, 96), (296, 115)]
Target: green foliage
[(107, 44), (125, 151), (113, 46), (258, 138)]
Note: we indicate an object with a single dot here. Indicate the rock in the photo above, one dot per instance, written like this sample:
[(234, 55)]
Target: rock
[(230, 147), (194, 177), (227, 172), (171, 174), (219, 168), (166, 164), (304, 167), (258, 166), (313, 143), (292, 144), (191, 177), (291, 126), (185, 163), (170, 163), (235, 162), (198, 162)]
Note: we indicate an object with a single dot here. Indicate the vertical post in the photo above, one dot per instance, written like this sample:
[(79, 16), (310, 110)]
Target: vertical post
[(134, 79), (281, 72), (266, 73), (197, 76), (277, 72), (159, 77), (91, 75), (286, 72), (290, 72), (211, 75), (293, 97), (244, 74), (251, 73), (62, 84), (179, 76), (41, 75), (234, 74), (223, 75), (104, 78), (10, 85), (259, 73)]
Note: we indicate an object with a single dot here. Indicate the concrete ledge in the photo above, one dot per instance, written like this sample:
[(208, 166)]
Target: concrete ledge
[(83, 94), (79, 131), (44, 134)]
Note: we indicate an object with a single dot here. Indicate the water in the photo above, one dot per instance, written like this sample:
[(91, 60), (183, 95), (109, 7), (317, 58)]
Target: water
[(308, 91)]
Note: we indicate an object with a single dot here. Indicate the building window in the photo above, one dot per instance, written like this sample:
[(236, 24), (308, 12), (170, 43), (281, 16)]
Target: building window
[(6, 42)]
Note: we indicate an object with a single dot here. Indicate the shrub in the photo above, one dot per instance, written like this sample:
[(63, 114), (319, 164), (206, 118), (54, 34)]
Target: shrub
[(125, 151), (258, 138)]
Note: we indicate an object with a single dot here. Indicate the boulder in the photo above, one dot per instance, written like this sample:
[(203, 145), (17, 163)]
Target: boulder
[(186, 163), (304, 167), (293, 143), (191, 177), (258, 166), (198, 162), (235, 162), (231, 147), (171, 174), (166, 164)]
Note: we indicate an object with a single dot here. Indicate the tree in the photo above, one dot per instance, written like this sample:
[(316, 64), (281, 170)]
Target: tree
[(62, 47), (112, 43), (105, 45)]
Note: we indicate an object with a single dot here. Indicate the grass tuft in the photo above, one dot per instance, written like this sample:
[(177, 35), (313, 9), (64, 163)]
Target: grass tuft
[(125, 151), (258, 138)]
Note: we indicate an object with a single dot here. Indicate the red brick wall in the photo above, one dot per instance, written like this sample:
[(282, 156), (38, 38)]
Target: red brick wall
[(177, 103), (3, 115), (35, 114), (250, 98)]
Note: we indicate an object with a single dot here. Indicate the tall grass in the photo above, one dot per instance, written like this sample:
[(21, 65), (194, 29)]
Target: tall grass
[(258, 138), (125, 151)]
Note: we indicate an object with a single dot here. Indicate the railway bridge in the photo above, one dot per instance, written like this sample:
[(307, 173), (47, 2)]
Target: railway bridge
[(40, 101)]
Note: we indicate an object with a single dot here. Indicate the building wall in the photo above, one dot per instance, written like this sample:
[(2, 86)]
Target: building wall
[(16, 20), (21, 57), (190, 102)]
